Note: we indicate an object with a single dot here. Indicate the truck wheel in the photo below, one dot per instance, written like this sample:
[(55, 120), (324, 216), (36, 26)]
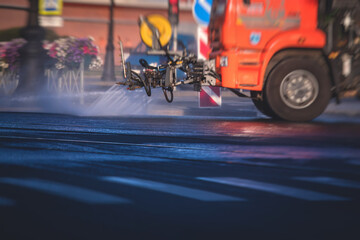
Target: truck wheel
[(298, 89), (261, 105)]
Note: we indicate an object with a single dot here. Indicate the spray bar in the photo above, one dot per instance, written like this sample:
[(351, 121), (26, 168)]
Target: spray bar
[(197, 72)]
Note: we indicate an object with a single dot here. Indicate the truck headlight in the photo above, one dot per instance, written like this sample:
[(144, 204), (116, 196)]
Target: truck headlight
[(223, 61)]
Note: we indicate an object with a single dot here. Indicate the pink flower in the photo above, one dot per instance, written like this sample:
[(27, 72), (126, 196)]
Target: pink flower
[(86, 50)]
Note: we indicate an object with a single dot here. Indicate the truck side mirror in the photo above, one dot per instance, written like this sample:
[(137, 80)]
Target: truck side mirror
[(246, 2)]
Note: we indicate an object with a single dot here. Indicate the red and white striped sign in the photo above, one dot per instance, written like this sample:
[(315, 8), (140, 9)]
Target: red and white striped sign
[(209, 96), (202, 40)]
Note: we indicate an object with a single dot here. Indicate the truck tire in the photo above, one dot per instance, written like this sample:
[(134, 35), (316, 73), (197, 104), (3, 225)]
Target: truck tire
[(298, 89), (262, 105)]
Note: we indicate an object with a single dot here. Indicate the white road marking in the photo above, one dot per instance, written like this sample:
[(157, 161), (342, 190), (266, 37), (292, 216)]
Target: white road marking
[(172, 189), (6, 202), (274, 188), (67, 191), (331, 181)]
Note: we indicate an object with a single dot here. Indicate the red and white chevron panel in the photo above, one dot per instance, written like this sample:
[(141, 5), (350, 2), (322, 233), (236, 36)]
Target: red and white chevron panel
[(209, 96), (203, 47)]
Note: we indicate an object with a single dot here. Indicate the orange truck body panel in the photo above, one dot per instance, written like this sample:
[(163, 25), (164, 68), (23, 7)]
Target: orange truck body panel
[(250, 35)]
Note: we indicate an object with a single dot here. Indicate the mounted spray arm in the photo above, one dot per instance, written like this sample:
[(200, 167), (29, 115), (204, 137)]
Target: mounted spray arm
[(155, 32), (122, 57)]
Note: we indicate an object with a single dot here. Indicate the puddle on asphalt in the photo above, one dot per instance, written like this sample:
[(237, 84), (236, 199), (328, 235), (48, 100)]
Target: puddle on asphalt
[(116, 101)]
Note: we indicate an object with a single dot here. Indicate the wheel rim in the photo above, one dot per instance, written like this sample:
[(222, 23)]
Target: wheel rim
[(299, 89)]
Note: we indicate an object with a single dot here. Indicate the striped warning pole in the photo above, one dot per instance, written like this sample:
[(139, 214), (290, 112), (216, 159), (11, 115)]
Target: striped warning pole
[(203, 47), (209, 96)]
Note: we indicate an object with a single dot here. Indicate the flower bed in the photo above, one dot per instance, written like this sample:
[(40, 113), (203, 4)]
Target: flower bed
[(70, 52), (9, 53), (62, 53), (67, 58)]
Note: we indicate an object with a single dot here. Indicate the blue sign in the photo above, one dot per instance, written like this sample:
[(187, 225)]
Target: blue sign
[(255, 38), (202, 11)]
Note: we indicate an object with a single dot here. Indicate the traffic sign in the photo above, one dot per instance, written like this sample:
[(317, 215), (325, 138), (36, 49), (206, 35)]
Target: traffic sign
[(210, 97), (202, 11), (50, 7), (202, 43)]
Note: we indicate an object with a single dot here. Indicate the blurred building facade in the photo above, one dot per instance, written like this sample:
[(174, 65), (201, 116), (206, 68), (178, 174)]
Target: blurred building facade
[(84, 18)]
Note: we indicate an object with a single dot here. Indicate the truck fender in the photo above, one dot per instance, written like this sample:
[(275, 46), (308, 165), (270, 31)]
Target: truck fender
[(296, 40)]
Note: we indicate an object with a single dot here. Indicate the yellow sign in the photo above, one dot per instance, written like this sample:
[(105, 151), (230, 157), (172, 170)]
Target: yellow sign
[(50, 7), (162, 24)]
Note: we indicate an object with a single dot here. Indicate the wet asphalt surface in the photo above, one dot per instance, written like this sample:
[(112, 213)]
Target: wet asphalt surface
[(179, 177)]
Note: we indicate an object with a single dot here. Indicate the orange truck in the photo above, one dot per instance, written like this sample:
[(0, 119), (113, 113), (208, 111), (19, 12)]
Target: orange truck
[(293, 56)]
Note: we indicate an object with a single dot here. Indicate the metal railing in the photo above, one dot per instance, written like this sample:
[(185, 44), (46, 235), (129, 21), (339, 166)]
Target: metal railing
[(67, 81), (9, 80), (63, 81)]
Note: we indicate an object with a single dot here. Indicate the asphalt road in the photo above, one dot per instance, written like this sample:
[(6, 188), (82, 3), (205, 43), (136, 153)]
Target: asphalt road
[(68, 177)]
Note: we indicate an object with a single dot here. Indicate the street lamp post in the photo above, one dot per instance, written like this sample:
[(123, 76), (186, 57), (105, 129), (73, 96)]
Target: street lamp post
[(109, 66), (32, 54)]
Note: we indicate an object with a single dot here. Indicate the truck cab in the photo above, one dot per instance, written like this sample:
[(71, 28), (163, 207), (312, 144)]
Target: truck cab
[(278, 50)]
